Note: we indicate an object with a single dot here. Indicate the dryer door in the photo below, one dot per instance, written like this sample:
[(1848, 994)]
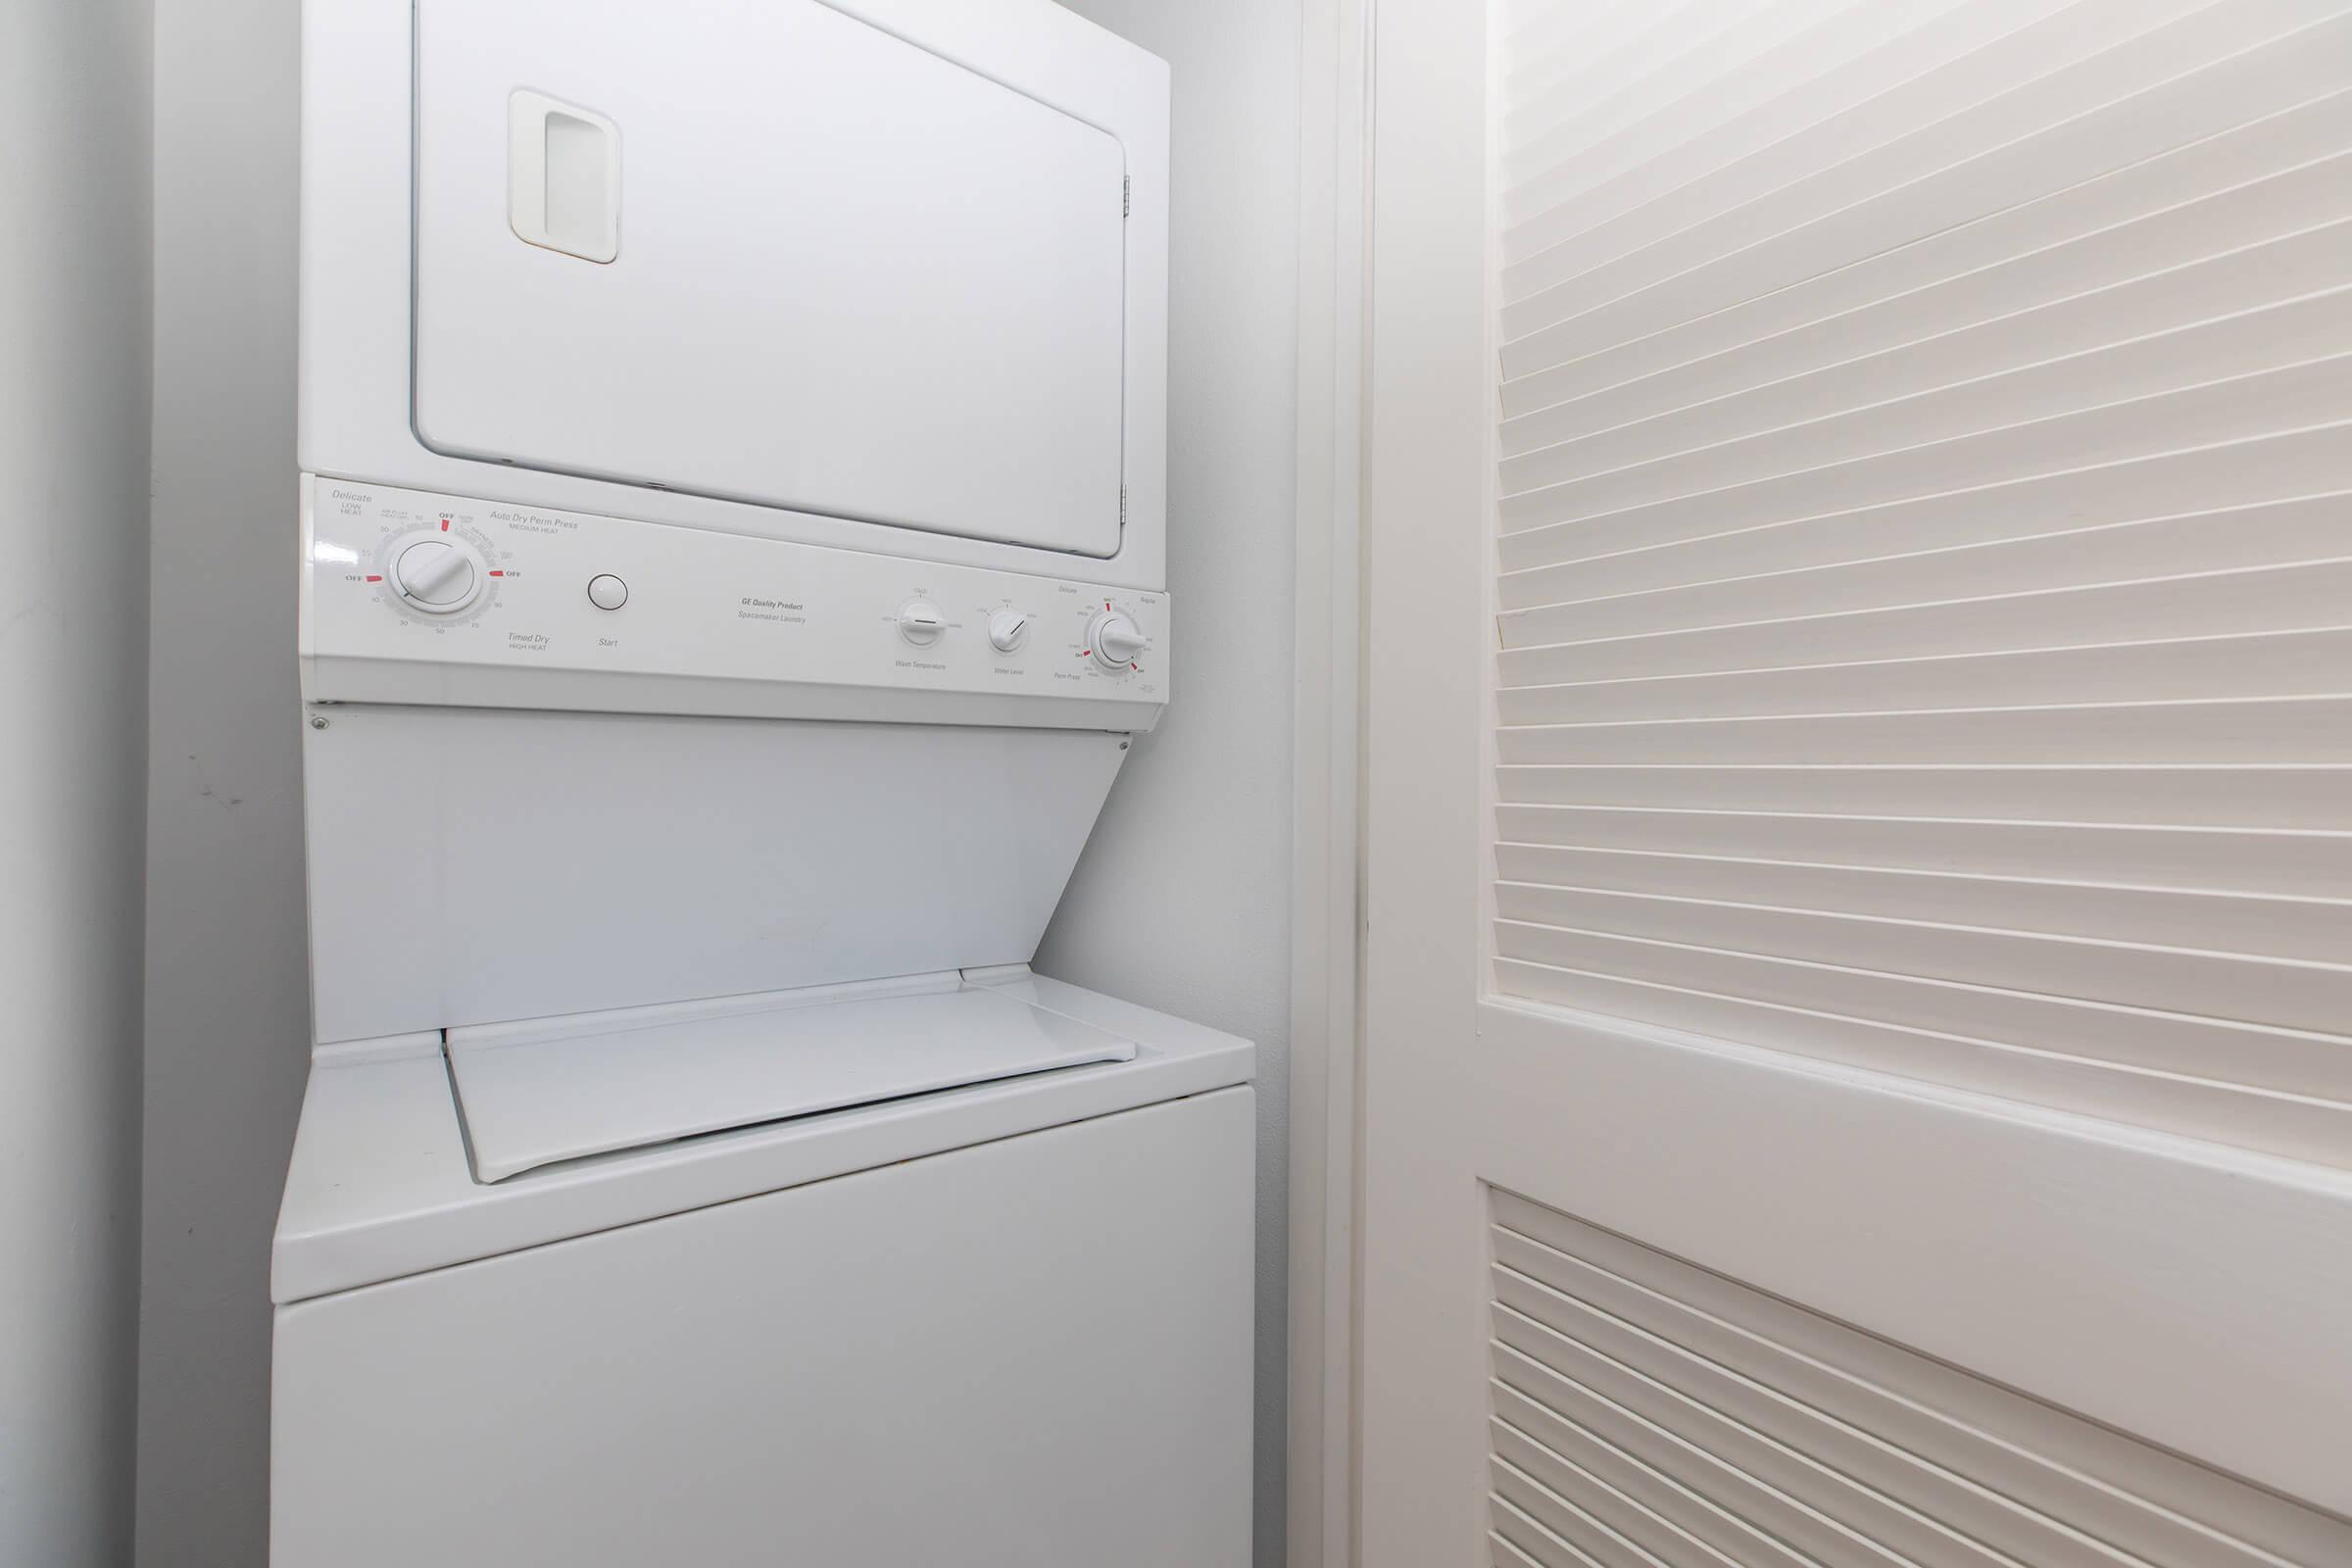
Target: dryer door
[(767, 253)]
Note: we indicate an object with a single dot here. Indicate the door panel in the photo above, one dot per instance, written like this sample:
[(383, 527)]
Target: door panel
[(772, 253), (1856, 1002)]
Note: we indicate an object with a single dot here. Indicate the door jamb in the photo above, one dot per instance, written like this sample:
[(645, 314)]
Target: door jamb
[(1327, 847)]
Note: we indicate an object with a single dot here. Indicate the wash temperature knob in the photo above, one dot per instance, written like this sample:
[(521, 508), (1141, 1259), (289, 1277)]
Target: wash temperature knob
[(920, 622), (1116, 640)]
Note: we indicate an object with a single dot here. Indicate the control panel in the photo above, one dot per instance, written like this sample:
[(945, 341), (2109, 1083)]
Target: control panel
[(411, 596)]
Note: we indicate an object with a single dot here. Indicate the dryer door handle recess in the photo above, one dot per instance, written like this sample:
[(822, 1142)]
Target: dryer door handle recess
[(563, 177)]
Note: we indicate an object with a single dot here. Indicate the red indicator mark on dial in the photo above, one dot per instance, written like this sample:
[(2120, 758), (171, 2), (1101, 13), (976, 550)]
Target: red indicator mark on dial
[(495, 572), (445, 525), (375, 576)]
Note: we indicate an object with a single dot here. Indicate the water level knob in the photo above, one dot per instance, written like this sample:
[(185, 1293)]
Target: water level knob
[(1007, 629)]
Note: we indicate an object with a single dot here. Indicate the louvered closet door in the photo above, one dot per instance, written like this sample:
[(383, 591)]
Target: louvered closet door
[(1859, 797)]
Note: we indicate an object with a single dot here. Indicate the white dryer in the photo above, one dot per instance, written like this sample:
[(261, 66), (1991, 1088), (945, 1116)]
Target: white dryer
[(732, 575)]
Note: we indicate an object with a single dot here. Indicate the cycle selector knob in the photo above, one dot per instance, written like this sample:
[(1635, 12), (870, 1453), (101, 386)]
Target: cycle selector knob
[(437, 576), (1115, 640), (1007, 629)]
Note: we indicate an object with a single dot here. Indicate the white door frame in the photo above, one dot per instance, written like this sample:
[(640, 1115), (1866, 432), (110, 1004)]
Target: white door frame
[(1341, 193), (1326, 911), (1427, 553)]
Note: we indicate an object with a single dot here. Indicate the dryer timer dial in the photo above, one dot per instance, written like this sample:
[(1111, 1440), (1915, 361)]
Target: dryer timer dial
[(1114, 639), (437, 576)]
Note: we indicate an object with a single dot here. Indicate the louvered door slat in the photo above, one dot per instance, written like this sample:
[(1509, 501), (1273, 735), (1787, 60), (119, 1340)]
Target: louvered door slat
[(1957, 1525), (2217, 69), (1961, 1006), (1738, 1505), (1759, 1404), (1530, 1434), (2239, 602), (2126, 1063), (1586, 98), (1612, 1496), (1566, 139), (2282, 663), (2300, 864), (1895, 1528), (2266, 728), (1557, 187), (2087, 89), (2319, 930), (2264, 797), (2215, 248), (1875, 134), (2037, 354), (2010, 245), (2289, 993), (1822, 475), (2208, 486)]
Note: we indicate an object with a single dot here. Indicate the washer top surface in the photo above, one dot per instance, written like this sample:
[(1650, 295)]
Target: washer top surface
[(382, 1185), (541, 1093)]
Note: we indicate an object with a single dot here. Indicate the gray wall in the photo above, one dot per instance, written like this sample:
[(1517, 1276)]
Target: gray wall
[(1182, 901), (74, 354), (227, 999)]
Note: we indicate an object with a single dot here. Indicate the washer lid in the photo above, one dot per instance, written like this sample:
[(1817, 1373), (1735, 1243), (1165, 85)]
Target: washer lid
[(537, 1093)]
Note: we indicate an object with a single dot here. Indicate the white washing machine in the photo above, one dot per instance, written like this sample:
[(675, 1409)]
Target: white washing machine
[(732, 575)]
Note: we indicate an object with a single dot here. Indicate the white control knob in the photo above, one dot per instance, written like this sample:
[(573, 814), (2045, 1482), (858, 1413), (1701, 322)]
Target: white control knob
[(1007, 629), (921, 624), (608, 592), (1114, 640), (435, 576)]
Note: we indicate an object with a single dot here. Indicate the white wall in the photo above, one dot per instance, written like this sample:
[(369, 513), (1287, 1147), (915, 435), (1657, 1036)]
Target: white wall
[(227, 1002), (1182, 901), (74, 352)]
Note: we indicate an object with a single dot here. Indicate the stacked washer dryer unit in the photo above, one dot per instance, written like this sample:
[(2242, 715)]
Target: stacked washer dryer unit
[(732, 573)]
